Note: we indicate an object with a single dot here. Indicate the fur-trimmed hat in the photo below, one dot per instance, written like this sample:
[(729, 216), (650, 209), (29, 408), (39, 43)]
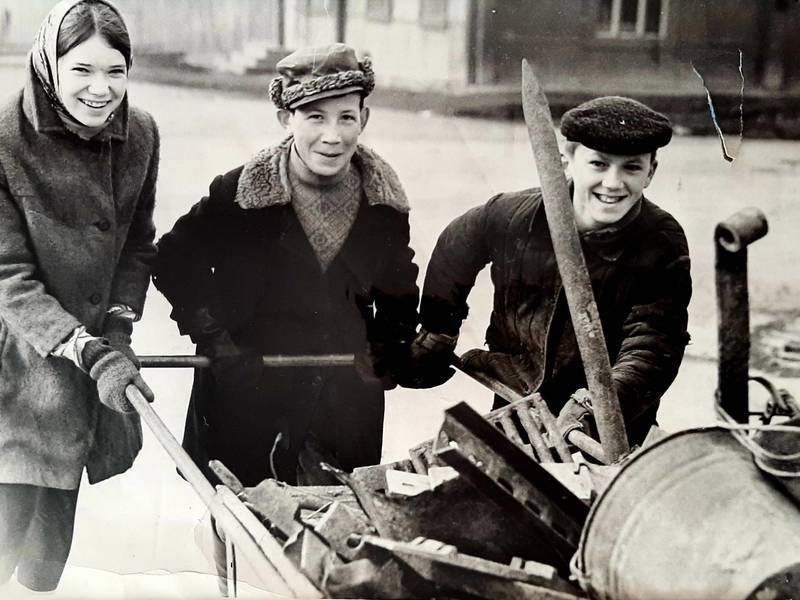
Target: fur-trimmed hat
[(311, 74), (616, 125)]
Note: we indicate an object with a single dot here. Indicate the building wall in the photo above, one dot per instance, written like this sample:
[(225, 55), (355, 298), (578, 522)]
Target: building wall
[(194, 26), (310, 23), (200, 26), (561, 39), (23, 18), (404, 53)]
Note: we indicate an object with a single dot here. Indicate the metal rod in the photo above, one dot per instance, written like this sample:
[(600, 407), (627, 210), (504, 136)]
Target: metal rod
[(731, 238), (587, 445), (242, 539), (551, 427), (511, 430), (533, 429), (572, 266), (548, 420), (178, 361), (300, 585)]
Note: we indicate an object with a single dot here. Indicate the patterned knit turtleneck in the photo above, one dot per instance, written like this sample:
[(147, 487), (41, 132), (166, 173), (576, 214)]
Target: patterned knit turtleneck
[(326, 209)]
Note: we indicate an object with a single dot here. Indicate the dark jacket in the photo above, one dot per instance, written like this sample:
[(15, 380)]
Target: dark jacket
[(76, 235), (242, 253), (639, 270)]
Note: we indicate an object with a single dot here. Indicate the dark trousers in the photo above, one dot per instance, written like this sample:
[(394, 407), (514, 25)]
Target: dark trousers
[(36, 525)]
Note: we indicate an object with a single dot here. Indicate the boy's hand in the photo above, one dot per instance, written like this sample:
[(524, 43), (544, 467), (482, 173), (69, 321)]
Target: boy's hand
[(430, 360), (575, 413), (113, 372)]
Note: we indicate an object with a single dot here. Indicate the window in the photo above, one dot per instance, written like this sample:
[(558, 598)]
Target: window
[(379, 10), (433, 14), (632, 18)]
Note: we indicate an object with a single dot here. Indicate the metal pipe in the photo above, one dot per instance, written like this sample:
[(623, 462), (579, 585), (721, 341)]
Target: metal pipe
[(731, 238), (551, 427), (179, 361), (572, 266), (276, 581)]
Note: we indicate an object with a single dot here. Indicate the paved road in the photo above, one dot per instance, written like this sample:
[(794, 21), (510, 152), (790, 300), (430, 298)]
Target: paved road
[(147, 520)]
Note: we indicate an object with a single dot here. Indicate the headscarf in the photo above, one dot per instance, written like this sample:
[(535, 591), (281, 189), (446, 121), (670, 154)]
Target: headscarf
[(44, 60)]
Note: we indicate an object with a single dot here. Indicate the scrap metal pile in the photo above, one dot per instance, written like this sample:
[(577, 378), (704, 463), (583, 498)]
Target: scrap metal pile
[(472, 515)]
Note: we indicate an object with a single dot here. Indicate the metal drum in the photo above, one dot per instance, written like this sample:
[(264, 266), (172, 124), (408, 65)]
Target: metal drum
[(691, 517)]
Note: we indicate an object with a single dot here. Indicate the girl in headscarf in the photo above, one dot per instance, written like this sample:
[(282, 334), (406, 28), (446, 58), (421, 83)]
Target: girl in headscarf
[(78, 169)]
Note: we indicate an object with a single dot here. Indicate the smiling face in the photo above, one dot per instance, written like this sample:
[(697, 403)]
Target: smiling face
[(92, 79), (326, 132), (606, 185)]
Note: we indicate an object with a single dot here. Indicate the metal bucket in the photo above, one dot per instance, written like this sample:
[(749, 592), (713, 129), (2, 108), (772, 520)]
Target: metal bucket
[(691, 517)]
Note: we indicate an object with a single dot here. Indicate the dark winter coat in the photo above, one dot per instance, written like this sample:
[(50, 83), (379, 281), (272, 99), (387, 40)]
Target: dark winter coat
[(639, 270), (76, 235), (243, 253)]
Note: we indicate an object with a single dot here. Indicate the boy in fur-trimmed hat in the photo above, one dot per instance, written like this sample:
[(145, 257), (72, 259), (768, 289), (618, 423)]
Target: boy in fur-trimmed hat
[(637, 258), (303, 250)]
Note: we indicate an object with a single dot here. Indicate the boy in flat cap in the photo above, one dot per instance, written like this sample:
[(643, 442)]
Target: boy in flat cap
[(303, 250), (637, 258)]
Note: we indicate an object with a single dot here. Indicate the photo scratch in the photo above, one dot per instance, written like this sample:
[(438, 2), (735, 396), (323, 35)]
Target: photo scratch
[(725, 154)]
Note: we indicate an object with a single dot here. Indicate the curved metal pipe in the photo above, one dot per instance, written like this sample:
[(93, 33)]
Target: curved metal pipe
[(731, 238)]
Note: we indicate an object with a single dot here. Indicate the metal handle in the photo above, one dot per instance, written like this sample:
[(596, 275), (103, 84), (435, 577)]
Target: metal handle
[(268, 561), (178, 361), (572, 266)]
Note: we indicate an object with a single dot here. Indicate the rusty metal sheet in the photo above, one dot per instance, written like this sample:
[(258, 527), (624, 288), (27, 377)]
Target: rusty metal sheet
[(541, 506), (272, 502), (338, 524), (454, 512), (429, 568)]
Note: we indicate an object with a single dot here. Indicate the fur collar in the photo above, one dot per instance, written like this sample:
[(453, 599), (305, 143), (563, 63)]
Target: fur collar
[(264, 180)]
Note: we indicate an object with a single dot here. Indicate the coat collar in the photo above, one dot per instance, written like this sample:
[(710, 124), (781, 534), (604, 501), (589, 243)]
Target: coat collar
[(611, 242), (608, 242), (46, 120), (264, 180)]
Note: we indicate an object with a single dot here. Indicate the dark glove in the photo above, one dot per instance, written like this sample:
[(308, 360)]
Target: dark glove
[(237, 370), (113, 372), (118, 330), (375, 364), (430, 361), (513, 370), (576, 413)]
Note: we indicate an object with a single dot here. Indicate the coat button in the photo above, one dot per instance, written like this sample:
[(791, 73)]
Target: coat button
[(95, 298), (103, 225)]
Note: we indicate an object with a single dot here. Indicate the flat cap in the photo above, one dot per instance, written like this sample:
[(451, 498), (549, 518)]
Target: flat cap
[(616, 125), (312, 74)]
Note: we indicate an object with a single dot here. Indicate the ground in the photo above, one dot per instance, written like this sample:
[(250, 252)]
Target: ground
[(143, 534)]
